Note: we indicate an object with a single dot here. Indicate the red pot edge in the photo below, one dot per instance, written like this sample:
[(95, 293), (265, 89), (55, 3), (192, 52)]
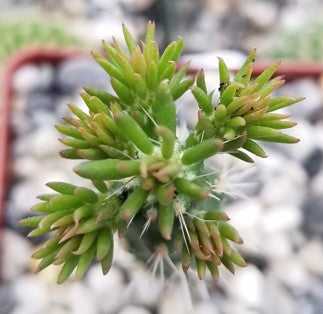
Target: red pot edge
[(290, 70), (31, 55)]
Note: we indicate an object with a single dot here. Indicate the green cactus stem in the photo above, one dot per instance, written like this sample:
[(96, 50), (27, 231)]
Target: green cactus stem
[(145, 177)]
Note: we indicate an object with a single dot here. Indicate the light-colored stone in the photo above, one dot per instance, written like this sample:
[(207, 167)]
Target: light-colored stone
[(26, 78), (48, 275), (59, 309), (308, 88), (187, 111), (303, 131), (15, 255), (248, 286), (281, 218), (44, 142), (290, 272), (174, 302), (220, 7), (81, 300), (105, 4), (137, 5), (284, 183), (19, 120), (277, 299), (276, 245), (21, 147), (123, 258), (74, 296), (78, 72), (208, 60), (44, 119), (141, 281), (46, 75), (108, 290), (245, 214), (31, 294), (261, 14), (74, 8), (24, 166), (206, 308), (23, 195), (62, 110), (30, 77), (131, 309), (311, 256)]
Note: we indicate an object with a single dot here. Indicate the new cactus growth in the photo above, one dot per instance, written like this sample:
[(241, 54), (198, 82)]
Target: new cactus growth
[(145, 177)]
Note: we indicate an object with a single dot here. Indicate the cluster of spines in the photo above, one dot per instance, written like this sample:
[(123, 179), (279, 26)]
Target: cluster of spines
[(131, 136)]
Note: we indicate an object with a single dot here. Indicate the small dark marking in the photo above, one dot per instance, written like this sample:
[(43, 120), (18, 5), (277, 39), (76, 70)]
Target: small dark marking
[(123, 196)]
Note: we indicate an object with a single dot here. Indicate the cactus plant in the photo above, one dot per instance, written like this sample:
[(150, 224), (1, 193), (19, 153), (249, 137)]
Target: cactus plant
[(152, 188)]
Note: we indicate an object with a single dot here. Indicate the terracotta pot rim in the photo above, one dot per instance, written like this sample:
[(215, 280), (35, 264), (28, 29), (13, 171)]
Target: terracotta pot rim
[(27, 55), (289, 69)]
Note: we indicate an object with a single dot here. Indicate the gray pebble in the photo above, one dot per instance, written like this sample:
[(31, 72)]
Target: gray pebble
[(32, 77), (307, 88), (15, 255), (78, 72), (7, 300), (313, 215), (131, 309)]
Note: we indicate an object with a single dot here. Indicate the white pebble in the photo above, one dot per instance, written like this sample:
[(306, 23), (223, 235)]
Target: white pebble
[(262, 14), (307, 88), (25, 166), (248, 286), (289, 271), (206, 308), (276, 245), (15, 255), (23, 195), (278, 300), (244, 214), (141, 281), (131, 309), (311, 256), (26, 78), (281, 217), (285, 184), (108, 290), (32, 295), (44, 142), (173, 302), (305, 132), (81, 299)]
